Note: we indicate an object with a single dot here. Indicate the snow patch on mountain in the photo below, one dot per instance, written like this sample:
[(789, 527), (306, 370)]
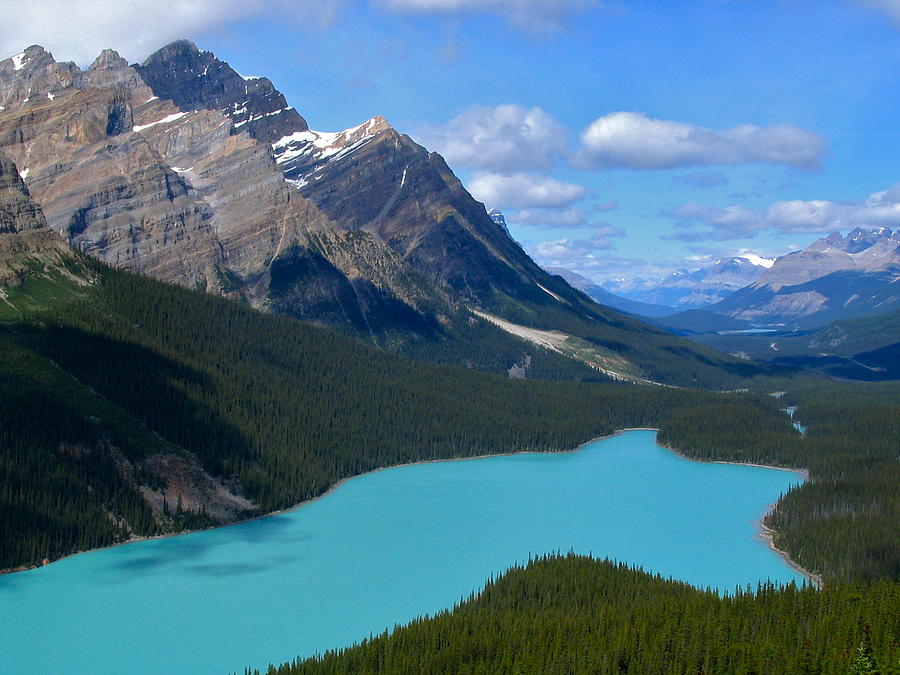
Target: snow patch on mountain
[(759, 261), (165, 120), (304, 152)]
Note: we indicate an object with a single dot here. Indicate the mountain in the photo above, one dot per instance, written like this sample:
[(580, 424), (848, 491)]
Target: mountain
[(604, 297), (180, 169), (134, 408), (837, 277), (35, 262), (684, 289)]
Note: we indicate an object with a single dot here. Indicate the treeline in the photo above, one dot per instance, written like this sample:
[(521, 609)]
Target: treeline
[(572, 614)]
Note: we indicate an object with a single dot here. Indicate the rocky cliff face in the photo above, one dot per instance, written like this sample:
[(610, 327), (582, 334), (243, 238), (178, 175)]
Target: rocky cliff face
[(26, 243), (187, 195), (182, 169), (18, 212), (374, 179), (194, 79)]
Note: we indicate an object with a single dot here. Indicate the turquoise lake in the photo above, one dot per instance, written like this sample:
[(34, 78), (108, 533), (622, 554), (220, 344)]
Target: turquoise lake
[(382, 549)]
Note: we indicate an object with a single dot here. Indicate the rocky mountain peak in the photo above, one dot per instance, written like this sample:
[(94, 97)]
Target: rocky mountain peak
[(861, 250), (34, 75), (110, 70), (34, 57), (108, 58), (500, 220), (195, 79)]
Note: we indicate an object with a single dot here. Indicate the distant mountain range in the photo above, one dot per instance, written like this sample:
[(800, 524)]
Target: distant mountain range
[(831, 306), (181, 169), (835, 278), (685, 289), (605, 297)]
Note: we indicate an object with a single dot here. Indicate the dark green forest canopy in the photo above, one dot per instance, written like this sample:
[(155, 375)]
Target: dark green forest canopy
[(573, 614), (287, 409)]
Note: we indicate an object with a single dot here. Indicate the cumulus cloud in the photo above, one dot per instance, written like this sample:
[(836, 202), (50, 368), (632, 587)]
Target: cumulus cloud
[(571, 217), (78, 31), (816, 216), (524, 191), (536, 16), (506, 138), (633, 140), (575, 253)]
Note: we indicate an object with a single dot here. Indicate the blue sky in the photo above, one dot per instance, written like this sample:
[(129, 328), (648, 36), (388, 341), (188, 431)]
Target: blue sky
[(620, 138)]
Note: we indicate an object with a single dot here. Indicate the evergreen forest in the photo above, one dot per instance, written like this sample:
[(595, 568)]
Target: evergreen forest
[(126, 368)]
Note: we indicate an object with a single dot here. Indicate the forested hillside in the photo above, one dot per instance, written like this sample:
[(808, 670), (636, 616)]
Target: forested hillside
[(277, 410), (105, 378), (572, 614)]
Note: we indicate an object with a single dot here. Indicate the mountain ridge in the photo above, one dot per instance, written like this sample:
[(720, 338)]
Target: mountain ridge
[(225, 188), (836, 277), (685, 289)]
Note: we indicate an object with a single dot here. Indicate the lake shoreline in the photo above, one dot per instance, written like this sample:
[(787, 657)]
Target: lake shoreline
[(765, 534)]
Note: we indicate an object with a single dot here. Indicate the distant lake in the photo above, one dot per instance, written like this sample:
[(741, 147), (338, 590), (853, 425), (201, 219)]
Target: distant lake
[(382, 549), (749, 331)]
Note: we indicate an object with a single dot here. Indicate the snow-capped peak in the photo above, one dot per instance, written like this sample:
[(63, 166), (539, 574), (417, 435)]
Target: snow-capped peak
[(759, 261)]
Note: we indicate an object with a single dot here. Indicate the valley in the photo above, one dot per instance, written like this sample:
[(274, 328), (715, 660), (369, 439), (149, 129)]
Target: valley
[(211, 314)]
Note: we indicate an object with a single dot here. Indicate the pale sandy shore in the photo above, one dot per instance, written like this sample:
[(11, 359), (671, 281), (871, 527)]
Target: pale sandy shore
[(765, 534)]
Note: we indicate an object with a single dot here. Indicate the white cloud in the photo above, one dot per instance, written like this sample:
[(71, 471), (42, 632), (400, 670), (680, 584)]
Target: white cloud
[(816, 216), (571, 217), (524, 191), (635, 141), (730, 222), (537, 16), (889, 7), (506, 138), (78, 31), (575, 254)]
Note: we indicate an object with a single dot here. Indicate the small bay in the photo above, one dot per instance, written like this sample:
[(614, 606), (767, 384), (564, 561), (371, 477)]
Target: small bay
[(382, 549)]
